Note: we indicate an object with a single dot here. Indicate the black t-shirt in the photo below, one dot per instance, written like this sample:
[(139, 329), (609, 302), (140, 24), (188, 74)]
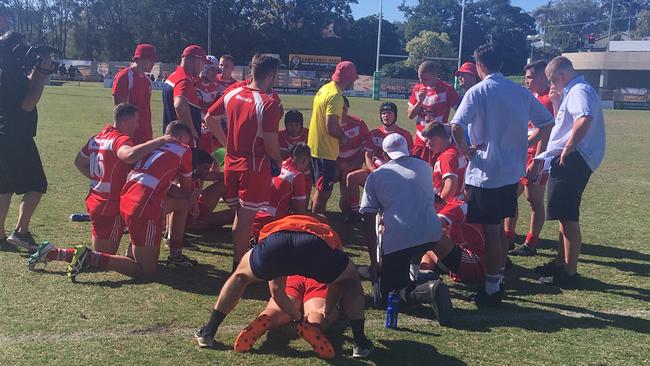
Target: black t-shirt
[(14, 121)]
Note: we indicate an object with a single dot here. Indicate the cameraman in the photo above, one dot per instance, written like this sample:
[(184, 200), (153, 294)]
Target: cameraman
[(21, 171)]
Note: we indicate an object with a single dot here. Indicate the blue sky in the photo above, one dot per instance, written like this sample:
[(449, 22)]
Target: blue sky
[(368, 7)]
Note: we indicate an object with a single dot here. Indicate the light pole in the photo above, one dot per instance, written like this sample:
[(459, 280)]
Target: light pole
[(460, 40), (209, 28), (609, 31), (376, 79)]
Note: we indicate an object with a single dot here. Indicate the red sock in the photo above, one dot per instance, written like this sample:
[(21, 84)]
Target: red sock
[(99, 260), (510, 235), (63, 255), (532, 240)]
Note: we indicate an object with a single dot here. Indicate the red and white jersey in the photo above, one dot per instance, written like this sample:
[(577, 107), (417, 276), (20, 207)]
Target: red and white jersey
[(136, 89), (207, 93), (450, 163), (250, 113), (271, 92), (373, 144), (222, 85), (108, 173), (290, 185), (357, 131), (438, 103), (287, 143), (184, 85), (148, 182), (546, 102)]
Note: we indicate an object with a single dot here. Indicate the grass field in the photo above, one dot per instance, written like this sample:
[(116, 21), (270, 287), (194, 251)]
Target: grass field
[(109, 319)]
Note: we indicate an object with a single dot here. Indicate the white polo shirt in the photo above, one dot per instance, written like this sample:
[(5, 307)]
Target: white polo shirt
[(496, 112), (579, 99)]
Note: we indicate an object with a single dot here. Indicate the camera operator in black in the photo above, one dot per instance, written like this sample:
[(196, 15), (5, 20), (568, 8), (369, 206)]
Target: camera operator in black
[(22, 80)]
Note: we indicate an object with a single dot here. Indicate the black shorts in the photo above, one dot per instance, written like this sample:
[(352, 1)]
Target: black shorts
[(287, 253), (394, 270), (21, 170), (489, 206), (324, 173), (565, 186)]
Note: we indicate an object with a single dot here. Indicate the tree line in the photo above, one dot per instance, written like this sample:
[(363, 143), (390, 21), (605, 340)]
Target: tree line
[(110, 29)]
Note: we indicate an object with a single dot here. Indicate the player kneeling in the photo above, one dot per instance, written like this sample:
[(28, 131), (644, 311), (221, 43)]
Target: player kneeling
[(140, 206), (295, 245), (308, 297)]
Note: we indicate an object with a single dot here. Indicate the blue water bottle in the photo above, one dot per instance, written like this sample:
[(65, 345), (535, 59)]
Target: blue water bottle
[(392, 310)]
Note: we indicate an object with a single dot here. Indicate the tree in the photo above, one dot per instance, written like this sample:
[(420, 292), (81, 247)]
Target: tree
[(643, 25), (360, 43), (431, 44)]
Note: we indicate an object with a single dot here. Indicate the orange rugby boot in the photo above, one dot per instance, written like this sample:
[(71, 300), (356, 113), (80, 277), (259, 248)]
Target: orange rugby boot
[(317, 339), (249, 335)]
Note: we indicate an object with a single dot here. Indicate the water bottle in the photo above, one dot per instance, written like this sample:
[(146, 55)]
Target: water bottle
[(392, 310)]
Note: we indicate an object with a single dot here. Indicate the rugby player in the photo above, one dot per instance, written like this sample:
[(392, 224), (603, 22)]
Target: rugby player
[(308, 297), (537, 83), (252, 147), (179, 95), (295, 245), (351, 158), (208, 91), (141, 207), (132, 86), (293, 133), (106, 160), (224, 78), (373, 152), (431, 101)]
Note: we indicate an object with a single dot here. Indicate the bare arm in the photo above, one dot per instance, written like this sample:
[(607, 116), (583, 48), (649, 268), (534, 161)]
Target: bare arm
[(449, 187), (414, 110), (370, 164), (214, 124), (272, 146), (83, 165), (334, 128), (540, 137), (279, 295), (183, 113), (131, 154), (36, 86)]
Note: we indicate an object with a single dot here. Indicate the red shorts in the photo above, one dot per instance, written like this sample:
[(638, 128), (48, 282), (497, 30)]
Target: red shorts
[(453, 212), (249, 189), (261, 219), (472, 242), (299, 287), (144, 232), (107, 227), (542, 178), (471, 268)]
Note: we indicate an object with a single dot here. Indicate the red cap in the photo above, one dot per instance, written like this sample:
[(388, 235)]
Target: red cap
[(145, 51), (194, 51), (345, 72), (467, 67)]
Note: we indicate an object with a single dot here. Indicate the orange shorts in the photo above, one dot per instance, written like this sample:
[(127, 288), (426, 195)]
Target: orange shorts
[(144, 232), (249, 189), (107, 227), (300, 287)]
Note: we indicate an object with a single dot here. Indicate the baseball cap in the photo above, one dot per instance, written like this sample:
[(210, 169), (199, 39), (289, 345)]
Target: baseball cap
[(345, 72), (395, 146), (211, 62), (467, 67), (145, 51), (194, 50)]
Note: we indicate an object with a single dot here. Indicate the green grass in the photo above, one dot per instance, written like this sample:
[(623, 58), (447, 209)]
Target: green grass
[(110, 319)]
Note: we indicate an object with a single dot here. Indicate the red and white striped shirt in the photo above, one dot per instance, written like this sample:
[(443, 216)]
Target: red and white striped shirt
[(357, 131)]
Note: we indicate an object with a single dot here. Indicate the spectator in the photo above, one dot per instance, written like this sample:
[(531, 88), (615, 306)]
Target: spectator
[(496, 111), (576, 148), (325, 132), (21, 170), (72, 72), (467, 77)]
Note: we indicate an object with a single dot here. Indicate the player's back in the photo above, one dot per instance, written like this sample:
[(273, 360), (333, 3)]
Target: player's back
[(450, 162), (151, 177), (357, 132)]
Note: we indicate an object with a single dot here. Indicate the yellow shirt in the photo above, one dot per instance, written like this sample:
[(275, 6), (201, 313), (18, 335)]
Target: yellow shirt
[(327, 102)]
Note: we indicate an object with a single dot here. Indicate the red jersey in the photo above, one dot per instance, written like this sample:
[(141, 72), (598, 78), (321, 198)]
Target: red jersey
[(290, 185), (136, 90), (148, 182), (546, 102), (250, 113), (438, 103), (271, 92), (450, 162), (357, 131), (373, 144), (287, 143), (108, 173), (222, 85), (207, 93)]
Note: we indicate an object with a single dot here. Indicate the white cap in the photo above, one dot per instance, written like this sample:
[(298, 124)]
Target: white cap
[(395, 146), (211, 62)]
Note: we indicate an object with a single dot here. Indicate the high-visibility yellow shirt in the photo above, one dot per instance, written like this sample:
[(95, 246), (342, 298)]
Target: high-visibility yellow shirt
[(327, 102)]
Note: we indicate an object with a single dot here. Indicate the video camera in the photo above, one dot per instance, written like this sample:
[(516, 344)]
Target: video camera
[(26, 57)]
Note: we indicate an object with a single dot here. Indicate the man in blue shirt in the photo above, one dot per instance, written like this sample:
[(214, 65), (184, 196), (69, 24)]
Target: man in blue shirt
[(576, 148), (496, 112)]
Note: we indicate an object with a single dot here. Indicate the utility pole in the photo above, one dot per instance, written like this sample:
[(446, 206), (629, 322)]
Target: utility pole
[(609, 32), (209, 28), (376, 78)]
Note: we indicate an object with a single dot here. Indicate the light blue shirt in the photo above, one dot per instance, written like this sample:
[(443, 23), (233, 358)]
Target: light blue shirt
[(497, 111), (579, 99), (402, 191)]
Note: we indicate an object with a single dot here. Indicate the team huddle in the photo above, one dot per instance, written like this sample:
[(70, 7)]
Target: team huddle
[(440, 202)]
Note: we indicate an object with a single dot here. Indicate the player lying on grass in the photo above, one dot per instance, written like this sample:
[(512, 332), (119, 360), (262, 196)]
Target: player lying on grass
[(308, 297), (295, 245), (106, 160), (141, 207)]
